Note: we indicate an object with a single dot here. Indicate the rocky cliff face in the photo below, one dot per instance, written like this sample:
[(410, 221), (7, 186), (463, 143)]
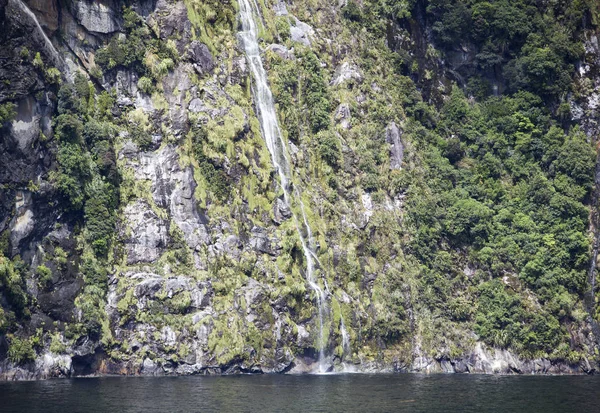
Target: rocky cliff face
[(143, 228)]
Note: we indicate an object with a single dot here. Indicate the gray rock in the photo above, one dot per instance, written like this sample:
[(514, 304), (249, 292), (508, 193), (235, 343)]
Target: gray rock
[(301, 32), (393, 136), (172, 20), (23, 223), (173, 190), (239, 70), (46, 12), (281, 51), (281, 211), (201, 57), (343, 116), (346, 72), (97, 16), (196, 105), (149, 234), (280, 9), (150, 368), (259, 240), (149, 287)]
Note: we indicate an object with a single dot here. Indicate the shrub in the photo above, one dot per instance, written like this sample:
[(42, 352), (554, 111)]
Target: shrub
[(215, 177), (98, 216), (44, 274), (351, 11), (20, 350), (282, 25), (329, 147), (38, 63), (145, 85), (24, 53), (12, 282), (53, 75), (7, 112)]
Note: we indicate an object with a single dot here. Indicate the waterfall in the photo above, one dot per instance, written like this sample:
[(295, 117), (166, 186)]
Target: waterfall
[(345, 337), (345, 346), (49, 45), (275, 143)]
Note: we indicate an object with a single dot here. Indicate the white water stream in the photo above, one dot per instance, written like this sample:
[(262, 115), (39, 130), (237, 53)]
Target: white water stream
[(47, 41), (276, 145)]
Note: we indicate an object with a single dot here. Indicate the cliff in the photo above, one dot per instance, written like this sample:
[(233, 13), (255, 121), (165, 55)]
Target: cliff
[(422, 197)]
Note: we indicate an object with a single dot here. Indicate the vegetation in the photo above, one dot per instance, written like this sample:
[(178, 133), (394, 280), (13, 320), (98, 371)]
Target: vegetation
[(7, 112), (139, 50), (20, 350), (483, 229)]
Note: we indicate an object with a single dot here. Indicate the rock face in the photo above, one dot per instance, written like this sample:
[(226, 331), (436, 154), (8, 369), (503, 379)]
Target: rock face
[(149, 234), (97, 16), (301, 32), (47, 12), (205, 270), (393, 136), (201, 57), (346, 72)]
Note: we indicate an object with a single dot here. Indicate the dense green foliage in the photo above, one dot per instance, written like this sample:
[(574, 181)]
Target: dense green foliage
[(87, 175), (214, 175), (20, 350), (498, 202), (506, 200), (140, 50), (12, 283), (7, 112)]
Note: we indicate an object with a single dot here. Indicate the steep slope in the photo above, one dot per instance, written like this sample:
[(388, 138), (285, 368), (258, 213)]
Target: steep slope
[(432, 206)]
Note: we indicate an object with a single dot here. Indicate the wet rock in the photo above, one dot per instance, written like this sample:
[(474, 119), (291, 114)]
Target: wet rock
[(150, 368), (393, 136), (23, 222), (239, 71), (53, 365), (59, 302), (46, 12), (281, 211)]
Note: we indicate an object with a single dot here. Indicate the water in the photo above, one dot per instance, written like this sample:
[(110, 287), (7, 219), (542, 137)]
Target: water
[(312, 393), (275, 143), (49, 45)]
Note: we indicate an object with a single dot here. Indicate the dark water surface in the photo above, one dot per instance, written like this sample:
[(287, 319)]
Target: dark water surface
[(327, 393)]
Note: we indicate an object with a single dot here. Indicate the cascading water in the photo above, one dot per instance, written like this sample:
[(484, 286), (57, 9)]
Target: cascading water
[(49, 45), (345, 336), (276, 145)]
